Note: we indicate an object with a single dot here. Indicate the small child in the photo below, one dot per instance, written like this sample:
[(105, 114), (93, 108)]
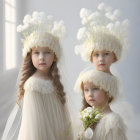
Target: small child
[(99, 90), (44, 114), (103, 37)]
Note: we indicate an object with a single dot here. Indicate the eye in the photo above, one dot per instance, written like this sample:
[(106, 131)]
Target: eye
[(86, 89), (107, 53), (95, 89), (36, 52), (96, 54), (47, 52)]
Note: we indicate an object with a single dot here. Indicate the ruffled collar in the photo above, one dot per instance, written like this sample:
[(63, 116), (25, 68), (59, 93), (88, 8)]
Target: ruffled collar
[(39, 85)]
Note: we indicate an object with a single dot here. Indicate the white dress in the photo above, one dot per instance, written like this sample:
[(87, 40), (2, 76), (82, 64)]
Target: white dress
[(43, 116), (110, 127)]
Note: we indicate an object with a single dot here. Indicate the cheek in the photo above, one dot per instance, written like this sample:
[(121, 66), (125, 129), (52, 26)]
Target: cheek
[(100, 97), (34, 59), (94, 61)]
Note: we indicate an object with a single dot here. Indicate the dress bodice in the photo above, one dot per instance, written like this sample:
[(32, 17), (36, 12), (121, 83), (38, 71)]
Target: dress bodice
[(39, 85)]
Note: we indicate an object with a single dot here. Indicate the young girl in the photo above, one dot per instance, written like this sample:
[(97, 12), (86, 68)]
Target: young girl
[(99, 90), (44, 115), (103, 36)]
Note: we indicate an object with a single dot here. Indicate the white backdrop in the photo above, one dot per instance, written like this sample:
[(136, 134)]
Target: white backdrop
[(128, 68)]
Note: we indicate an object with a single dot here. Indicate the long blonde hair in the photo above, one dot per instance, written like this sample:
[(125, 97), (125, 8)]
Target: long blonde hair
[(28, 70)]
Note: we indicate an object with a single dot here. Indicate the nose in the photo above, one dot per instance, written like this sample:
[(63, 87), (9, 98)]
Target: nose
[(41, 56), (90, 94), (100, 58)]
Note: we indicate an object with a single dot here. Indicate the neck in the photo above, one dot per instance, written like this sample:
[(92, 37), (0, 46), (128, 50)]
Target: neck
[(42, 74), (107, 109), (108, 71)]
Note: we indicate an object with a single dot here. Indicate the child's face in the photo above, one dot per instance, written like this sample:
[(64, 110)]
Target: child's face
[(94, 96), (102, 60), (42, 58)]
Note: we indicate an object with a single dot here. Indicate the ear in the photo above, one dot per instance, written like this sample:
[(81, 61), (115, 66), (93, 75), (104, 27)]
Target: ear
[(115, 58)]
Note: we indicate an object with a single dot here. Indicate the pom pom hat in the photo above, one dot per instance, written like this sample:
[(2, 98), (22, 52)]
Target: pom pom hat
[(104, 81), (40, 30), (101, 30)]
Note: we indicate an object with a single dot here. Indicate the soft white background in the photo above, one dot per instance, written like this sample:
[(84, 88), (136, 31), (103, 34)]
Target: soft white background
[(68, 10)]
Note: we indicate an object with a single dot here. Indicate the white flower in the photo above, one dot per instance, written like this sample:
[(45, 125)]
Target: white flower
[(97, 116), (81, 33), (84, 12), (88, 133), (101, 6)]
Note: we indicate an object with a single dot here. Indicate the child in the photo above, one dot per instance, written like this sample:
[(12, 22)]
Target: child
[(99, 90), (44, 115), (103, 37)]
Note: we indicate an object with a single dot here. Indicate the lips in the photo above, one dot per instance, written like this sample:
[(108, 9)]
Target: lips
[(101, 64), (91, 100), (42, 64)]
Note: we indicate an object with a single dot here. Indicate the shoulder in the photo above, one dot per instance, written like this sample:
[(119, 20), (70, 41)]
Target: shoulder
[(111, 121), (38, 85)]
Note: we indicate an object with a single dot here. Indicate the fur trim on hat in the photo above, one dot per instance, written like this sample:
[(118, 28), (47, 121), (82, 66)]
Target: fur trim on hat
[(42, 39), (105, 81)]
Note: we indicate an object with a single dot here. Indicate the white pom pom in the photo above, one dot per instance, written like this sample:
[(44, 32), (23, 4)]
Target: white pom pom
[(117, 12), (108, 15), (35, 14), (19, 28), (27, 19), (101, 6), (110, 26), (88, 133), (81, 33), (84, 12)]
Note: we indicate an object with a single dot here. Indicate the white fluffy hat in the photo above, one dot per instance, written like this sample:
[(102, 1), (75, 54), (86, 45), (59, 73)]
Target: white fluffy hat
[(41, 30), (101, 30), (105, 81)]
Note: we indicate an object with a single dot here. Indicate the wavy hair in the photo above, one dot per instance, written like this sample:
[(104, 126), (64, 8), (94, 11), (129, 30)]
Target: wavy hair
[(28, 70)]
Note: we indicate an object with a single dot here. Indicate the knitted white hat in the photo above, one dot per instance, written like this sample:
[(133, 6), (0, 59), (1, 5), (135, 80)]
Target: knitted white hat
[(101, 31), (40, 30), (103, 80)]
